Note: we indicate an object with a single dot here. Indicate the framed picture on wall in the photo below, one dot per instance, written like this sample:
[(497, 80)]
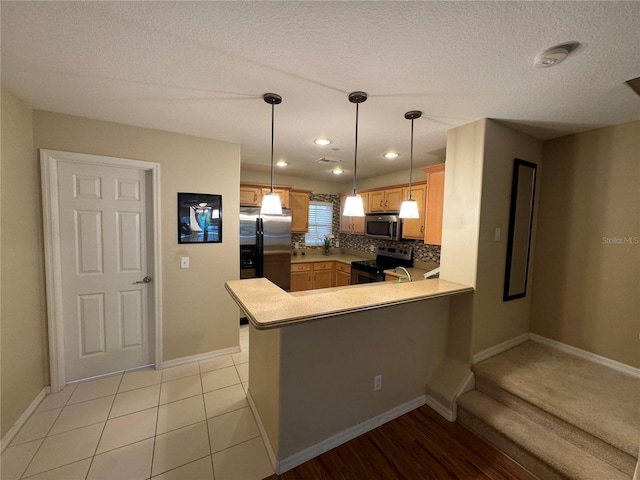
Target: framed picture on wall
[(199, 218)]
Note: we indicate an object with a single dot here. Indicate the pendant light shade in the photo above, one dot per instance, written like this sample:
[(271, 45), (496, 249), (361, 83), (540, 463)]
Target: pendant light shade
[(409, 208), (271, 204), (353, 206)]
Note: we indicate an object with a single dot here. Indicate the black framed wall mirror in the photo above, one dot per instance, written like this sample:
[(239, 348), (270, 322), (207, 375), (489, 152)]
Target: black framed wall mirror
[(523, 189)]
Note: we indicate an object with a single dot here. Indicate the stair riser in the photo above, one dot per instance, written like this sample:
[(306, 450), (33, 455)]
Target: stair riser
[(587, 442), (523, 457)]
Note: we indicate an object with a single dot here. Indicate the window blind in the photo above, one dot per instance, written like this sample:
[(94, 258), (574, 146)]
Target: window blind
[(320, 222)]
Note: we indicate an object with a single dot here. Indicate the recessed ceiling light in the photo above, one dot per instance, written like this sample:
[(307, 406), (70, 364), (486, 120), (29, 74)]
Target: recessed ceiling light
[(391, 155), (322, 141), (555, 55), (281, 163), (337, 171)]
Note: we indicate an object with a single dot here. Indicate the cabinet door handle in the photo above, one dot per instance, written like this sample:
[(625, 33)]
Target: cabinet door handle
[(421, 228), (380, 203), (255, 197)]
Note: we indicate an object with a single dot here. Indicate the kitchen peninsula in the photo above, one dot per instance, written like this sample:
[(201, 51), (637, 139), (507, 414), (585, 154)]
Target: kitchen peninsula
[(314, 358)]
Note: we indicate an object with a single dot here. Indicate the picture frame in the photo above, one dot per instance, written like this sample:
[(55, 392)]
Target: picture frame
[(199, 218)]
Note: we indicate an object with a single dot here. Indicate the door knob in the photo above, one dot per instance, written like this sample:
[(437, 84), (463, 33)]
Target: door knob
[(146, 279)]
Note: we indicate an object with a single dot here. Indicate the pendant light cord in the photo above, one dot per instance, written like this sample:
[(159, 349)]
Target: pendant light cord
[(272, 130), (411, 161), (355, 158)]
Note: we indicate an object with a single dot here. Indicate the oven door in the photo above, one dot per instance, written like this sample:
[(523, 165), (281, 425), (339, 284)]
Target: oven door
[(360, 276)]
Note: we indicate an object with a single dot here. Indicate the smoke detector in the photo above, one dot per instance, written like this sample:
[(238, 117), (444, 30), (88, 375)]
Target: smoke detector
[(555, 55)]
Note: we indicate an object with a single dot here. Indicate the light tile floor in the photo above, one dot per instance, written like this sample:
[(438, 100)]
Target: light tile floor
[(184, 423)]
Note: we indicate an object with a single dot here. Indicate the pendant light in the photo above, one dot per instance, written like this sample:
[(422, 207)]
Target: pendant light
[(271, 204), (409, 208), (353, 206)]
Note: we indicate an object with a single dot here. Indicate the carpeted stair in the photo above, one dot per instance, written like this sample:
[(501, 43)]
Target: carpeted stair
[(560, 416)]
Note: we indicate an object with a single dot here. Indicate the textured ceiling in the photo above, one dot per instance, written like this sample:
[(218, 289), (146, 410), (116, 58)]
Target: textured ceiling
[(201, 68)]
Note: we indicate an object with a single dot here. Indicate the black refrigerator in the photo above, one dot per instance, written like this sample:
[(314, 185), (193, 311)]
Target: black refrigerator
[(265, 246)]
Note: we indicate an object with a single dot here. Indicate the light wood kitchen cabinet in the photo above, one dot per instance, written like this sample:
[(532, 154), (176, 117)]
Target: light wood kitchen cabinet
[(434, 204), (414, 227), (343, 274), (323, 274), (385, 200), (250, 196), (301, 277), (299, 202), (283, 192), (353, 225)]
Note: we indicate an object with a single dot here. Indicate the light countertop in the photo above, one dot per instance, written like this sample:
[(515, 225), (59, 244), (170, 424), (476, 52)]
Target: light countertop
[(268, 306)]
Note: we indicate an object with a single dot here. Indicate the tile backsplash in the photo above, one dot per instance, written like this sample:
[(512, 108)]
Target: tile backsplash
[(421, 252)]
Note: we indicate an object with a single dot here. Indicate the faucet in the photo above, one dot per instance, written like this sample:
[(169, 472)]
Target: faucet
[(405, 271)]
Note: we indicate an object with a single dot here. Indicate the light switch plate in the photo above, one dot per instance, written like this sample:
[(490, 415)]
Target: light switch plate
[(184, 262), (496, 236)]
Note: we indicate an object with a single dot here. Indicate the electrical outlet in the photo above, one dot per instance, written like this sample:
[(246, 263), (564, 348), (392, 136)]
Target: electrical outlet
[(496, 235), (296, 245), (372, 248), (184, 262), (377, 383), (337, 243)]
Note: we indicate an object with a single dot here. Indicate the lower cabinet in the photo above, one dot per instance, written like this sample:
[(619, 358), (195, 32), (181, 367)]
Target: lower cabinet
[(323, 274), (301, 277), (313, 275), (343, 274)]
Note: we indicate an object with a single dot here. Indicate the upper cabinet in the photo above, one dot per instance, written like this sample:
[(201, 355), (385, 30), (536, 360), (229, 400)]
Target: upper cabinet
[(283, 192), (299, 202), (353, 225), (434, 204), (414, 227), (251, 195), (385, 200)]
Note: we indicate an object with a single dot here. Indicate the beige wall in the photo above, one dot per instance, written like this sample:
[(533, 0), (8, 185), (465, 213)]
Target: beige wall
[(264, 178), (198, 314), (478, 177), (325, 370), (586, 291), (22, 303), (496, 321)]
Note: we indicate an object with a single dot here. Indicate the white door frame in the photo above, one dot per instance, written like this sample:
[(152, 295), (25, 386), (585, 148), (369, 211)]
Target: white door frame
[(53, 269)]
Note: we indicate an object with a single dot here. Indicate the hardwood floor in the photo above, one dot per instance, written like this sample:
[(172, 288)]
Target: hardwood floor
[(418, 445)]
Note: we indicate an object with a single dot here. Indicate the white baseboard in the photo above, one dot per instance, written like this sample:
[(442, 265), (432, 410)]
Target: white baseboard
[(441, 409), (200, 356), (499, 348), (344, 436), (263, 432), (6, 440), (593, 357)]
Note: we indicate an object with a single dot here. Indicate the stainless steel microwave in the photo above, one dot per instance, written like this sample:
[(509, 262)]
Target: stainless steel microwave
[(385, 226)]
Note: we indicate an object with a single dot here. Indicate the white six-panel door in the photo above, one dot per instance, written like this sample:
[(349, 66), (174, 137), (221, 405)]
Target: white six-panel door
[(103, 253)]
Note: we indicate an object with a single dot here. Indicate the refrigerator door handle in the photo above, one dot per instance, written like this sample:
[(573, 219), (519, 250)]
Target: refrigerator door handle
[(260, 247)]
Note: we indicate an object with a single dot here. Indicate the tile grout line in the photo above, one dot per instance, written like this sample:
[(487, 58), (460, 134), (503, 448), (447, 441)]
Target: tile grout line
[(206, 422), (155, 432), (104, 426), (45, 437)]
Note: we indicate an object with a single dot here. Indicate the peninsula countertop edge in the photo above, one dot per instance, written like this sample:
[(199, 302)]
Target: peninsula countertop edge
[(268, 306)]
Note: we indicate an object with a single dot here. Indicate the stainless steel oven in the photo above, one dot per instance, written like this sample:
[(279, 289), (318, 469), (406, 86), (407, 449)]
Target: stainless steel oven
[(369, 271), (361, 275)]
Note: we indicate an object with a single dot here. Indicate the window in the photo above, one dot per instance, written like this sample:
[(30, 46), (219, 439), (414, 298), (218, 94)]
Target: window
[(320, 223)]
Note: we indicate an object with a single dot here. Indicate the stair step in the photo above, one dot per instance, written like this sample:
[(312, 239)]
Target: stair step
[(581, 439), (535, 447), (595, 399)]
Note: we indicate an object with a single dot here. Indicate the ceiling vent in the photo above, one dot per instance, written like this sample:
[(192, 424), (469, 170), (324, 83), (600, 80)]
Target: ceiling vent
[(328, 160)]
